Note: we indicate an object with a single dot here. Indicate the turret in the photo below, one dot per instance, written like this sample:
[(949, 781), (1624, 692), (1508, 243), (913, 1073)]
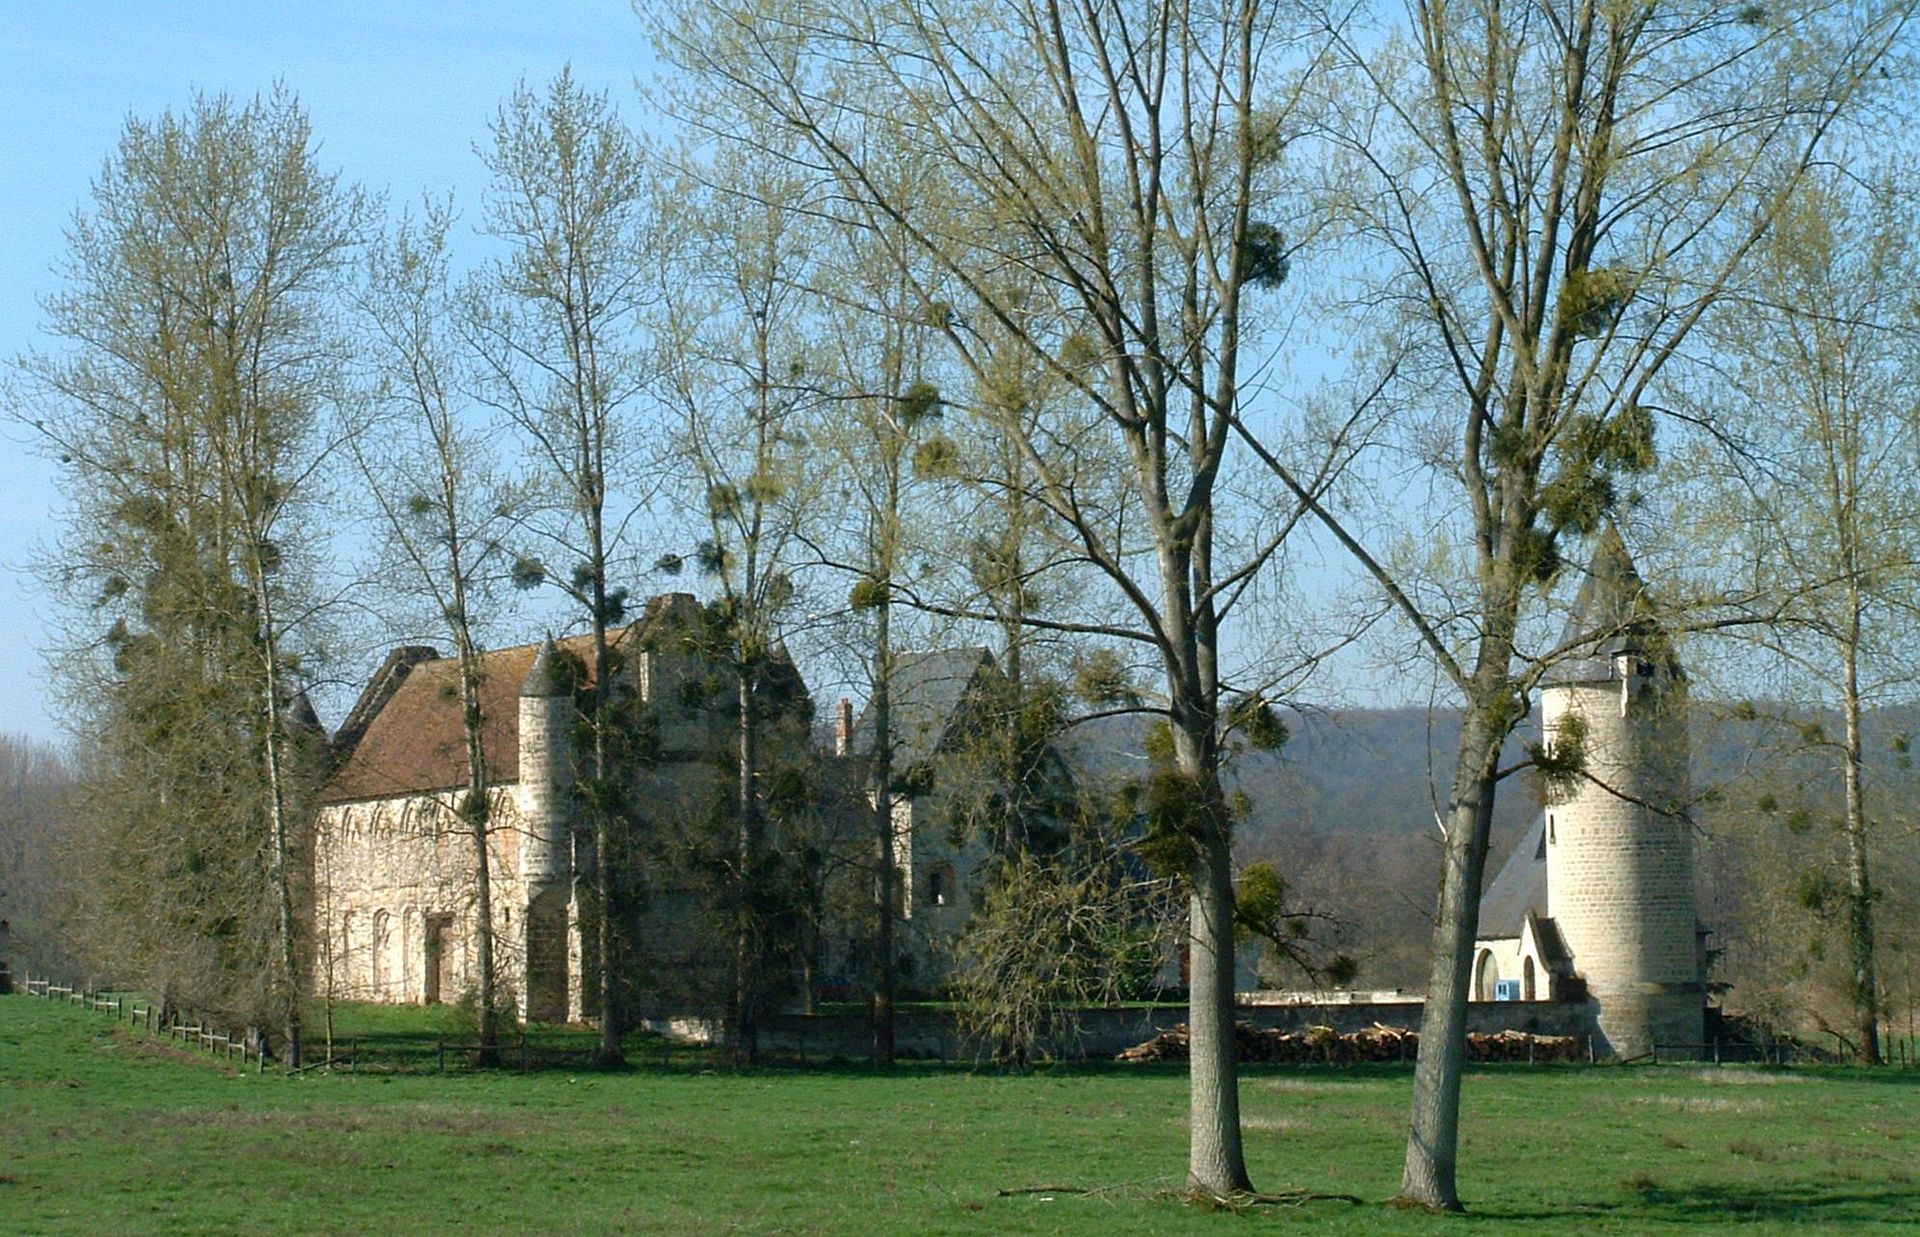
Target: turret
[(546, 771), (546, 852), (1619, 845)]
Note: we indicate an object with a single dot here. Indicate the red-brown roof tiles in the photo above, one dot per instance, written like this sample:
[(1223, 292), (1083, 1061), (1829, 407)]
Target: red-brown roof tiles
[(417, 742)]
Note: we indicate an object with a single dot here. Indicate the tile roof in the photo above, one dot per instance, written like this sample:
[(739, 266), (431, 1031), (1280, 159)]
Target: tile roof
[(1519, 889), (928, 692), (1611, 613), (417, 741), (414, 741)]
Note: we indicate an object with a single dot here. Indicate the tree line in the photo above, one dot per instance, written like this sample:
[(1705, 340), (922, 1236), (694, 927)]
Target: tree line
[(1089, 330)]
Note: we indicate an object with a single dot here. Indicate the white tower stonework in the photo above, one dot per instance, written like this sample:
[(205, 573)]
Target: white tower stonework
[(1618, 842), (546, 853)]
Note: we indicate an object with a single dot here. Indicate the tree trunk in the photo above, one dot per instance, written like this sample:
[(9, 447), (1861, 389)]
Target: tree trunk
[(881, 789), (1216, 1163), (746, 1031), (1216, 1160), (607, 1054), (477, 811), (277, 806), (1429, 1178), (1860, 946), (489, 1017)]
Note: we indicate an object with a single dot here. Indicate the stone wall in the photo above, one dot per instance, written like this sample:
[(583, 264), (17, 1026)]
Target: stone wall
[(386, 873), (1104, 1032)]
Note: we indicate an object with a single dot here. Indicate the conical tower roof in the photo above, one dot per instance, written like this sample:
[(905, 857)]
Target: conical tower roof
[(545, 677), (301, 717), (1611, 614)]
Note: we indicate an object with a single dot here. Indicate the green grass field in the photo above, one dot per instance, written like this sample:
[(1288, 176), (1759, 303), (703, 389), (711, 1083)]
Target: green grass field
[(104, 1130)]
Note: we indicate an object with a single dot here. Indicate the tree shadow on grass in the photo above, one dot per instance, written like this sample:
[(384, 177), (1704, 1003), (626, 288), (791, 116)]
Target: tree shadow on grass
[(1848, 1205)]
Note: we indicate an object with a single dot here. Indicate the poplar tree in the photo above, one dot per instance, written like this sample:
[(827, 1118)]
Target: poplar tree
[(190, 413), (735, 340), (882, 408), (557, 324), (1818, 365), (445, 512)]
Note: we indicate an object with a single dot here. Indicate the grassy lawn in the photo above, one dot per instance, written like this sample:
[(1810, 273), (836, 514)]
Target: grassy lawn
[(102, 1129)]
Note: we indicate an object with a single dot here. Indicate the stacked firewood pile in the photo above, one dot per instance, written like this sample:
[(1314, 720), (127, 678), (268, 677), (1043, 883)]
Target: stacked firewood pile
[(1321, 1045), (1513, 1045)]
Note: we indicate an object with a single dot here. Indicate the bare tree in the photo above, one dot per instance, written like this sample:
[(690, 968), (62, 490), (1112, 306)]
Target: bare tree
[(735, 339), (39, 797), (1819, 364), (445, 512), (879, 418), (556, 324), (1093, 184), (1546, 201)]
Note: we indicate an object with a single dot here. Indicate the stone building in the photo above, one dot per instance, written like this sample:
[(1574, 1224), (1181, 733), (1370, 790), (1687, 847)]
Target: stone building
[(393, 866), (1597, 902), (941, 705)]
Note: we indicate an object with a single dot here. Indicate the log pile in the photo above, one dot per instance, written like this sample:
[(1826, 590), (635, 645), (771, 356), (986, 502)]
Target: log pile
[(1321, 1045), (1511, 1045)]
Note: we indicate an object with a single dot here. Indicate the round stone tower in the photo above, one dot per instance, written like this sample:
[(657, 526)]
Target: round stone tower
[(1619, 845), (546, 709), (546, 857)]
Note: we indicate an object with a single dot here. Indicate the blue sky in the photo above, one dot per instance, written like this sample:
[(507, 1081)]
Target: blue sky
[(397, 93)]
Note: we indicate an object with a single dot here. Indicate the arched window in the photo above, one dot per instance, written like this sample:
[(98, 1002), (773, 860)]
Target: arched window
[(343, 966), (379, 948), (410, 931), (1526, 980), (1485, 976), (940, 885)]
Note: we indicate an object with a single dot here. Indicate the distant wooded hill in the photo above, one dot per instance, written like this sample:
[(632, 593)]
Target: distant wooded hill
[(1384, 771), (1345, 809)]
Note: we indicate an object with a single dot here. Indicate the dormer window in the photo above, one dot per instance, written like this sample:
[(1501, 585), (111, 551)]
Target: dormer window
[(1626, 668)]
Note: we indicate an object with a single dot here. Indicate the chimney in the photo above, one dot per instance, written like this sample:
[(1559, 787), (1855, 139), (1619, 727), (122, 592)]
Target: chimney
[(843, 729)]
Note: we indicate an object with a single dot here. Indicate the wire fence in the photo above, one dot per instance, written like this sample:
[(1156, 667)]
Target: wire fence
[(562, 1049), (185, 1027), (382, 1052)]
